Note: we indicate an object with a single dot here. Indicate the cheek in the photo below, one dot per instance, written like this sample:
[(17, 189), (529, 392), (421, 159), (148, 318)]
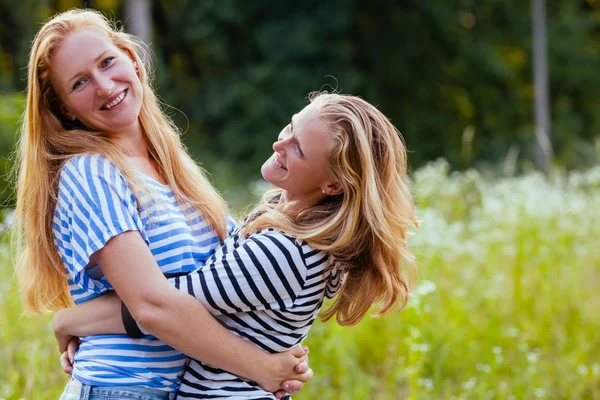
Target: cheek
[(138, 89), (79, 103), (317, 175), (307, 175)]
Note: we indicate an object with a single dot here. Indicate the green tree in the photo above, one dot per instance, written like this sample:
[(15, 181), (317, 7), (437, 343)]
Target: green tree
[(454, 76)]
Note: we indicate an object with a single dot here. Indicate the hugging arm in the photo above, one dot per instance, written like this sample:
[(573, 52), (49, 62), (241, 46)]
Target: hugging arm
[(169, 314), (247, 286), (97, 223), (251, 285), (95, 317)]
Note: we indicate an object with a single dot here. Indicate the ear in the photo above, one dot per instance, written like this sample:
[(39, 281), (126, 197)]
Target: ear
[(333, 188)]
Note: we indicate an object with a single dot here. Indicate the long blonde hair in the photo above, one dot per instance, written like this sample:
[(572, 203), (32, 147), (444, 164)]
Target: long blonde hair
[(48, 140), (366, 227)]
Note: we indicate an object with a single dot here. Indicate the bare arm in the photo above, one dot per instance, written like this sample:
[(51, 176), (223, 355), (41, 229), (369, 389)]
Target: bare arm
[(97, 210), (170, 315), (100, 316)]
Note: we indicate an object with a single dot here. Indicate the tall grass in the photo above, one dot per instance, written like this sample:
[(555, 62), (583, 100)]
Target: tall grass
[(29, 366), (508, 304)]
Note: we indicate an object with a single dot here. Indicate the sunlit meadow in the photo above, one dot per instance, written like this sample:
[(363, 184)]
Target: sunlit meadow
[(508, 304)]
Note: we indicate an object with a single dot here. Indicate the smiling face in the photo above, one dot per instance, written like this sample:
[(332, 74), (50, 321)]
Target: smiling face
[(97, 83), (300, 162)]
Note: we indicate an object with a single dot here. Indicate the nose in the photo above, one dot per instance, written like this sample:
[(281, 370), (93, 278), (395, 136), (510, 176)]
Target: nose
[(278, 146), (104, 85)]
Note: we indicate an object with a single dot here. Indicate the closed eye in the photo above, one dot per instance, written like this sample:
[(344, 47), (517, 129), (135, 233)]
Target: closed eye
[(299, 150)]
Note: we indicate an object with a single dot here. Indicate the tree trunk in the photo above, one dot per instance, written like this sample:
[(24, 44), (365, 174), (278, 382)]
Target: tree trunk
[(138, 20), (543, 148)]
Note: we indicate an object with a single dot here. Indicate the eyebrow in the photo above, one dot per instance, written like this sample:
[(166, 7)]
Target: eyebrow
[(95, 61)]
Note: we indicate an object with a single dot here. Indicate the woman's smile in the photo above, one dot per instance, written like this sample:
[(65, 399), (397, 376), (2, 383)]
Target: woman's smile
[(114, 100), (278, 162)]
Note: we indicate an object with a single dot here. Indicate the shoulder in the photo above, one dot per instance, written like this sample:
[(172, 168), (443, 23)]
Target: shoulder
[(93, 176), (272, 239), (89, 168), (89, 163), (268, 247)]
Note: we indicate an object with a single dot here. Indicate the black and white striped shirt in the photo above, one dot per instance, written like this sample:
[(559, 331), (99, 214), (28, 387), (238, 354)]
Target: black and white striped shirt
[(267, 288)]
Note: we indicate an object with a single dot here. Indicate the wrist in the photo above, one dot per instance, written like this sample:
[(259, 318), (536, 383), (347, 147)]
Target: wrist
[(58, 323), (60, 330), (262, 367)]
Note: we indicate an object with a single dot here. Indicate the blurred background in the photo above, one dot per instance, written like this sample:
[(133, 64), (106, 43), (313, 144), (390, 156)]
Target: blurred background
[(504, 160)]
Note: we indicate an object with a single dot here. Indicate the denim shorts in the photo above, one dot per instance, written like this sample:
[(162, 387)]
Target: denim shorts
[(76, 390)]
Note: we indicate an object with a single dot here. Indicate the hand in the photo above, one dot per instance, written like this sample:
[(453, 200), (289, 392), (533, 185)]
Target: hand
[(286, 372), (67, 358), (292, 386)]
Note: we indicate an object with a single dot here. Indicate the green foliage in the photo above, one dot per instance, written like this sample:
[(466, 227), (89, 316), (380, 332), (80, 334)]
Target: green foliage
[(506, 308), (11, 108), (454, 76), (28, 352), (507, 303), (508, 300), (19, 23), (240, 70)]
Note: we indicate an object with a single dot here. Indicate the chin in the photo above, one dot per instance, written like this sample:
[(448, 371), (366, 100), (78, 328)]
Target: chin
[(124, 120), (269, 179), (264, 171)]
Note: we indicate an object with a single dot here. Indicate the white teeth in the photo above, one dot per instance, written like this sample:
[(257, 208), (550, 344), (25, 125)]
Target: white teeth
[(115, 101), (278, 163)]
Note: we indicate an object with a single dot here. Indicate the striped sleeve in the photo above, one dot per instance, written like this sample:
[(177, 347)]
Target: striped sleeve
[(267, 271), (94, 205)]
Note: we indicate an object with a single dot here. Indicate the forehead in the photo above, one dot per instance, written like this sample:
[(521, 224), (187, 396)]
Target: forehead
[(309, 117), (77, 51), (311, 131)]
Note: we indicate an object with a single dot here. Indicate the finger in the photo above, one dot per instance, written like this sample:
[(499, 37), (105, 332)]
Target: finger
[(300, 361), (292, 386), (65, 364), (302, 367), (280, 393), (299, 351), (72, 349), (305, 376)]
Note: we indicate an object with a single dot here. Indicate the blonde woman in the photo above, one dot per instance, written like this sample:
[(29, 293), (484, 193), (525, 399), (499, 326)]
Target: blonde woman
[(109, 200), (341, 213)]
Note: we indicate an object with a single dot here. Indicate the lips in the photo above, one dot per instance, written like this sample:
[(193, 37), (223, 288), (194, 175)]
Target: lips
[(277, 162), (114, 100)]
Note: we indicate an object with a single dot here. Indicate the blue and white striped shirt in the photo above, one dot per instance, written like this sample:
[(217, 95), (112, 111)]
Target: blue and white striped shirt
[(95, 204)]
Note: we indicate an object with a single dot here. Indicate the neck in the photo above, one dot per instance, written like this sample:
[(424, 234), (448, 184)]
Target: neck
[(133, 141), (292, 202)]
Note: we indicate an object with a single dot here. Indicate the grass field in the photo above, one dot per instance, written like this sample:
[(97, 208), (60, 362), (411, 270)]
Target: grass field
[(508, 305)]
